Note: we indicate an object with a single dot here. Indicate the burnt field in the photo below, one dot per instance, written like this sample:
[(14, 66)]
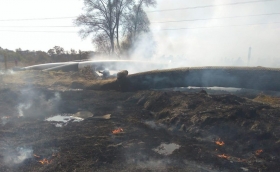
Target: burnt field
[(44, 128)]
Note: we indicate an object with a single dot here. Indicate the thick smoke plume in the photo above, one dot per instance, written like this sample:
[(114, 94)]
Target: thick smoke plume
[(213, 42), (209, 41)]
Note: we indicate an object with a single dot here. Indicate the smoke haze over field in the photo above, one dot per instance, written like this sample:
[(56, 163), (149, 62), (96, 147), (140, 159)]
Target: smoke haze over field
[(206, 42), (221, 45)]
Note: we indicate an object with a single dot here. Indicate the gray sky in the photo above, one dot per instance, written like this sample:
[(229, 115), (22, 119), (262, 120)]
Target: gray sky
[(197, 46), (219, 46), (26, 9)]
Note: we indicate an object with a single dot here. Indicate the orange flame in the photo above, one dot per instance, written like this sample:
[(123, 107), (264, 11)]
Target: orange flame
[(223, 156), (45, 161), (219, 142), (116, 131), (258, 152)]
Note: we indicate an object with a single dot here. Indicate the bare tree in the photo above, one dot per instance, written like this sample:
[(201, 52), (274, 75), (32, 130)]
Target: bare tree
[(105, 20), (99, 19), (73, 51), (51, 52), (58, 50), (140, 15), (135, 22), (121, 6), (102, 43)]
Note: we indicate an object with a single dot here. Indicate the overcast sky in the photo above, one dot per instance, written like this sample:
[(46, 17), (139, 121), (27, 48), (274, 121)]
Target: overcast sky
[(199, 46)]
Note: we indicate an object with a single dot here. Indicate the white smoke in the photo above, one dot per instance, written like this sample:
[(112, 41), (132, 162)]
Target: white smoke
[(153, 165), (144, 162), (17, 156), (35, 103), (226, 46), (54, 100), (23, 106), (154, 125), (205, 43), (8, 72), (144, 48), (4, 120)]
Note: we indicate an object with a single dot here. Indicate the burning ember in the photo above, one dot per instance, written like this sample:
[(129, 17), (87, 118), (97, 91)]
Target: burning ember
[(45, 161), (258, 152), (117, 131), (223, 156), (219, 142)]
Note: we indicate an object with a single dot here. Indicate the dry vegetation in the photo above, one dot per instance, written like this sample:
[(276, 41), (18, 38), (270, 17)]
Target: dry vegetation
[(275, 101), (82, 78)]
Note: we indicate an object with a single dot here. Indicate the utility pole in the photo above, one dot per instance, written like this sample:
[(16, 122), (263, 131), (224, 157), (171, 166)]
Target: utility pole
[(249, 56), (5, 61), (80, 54)]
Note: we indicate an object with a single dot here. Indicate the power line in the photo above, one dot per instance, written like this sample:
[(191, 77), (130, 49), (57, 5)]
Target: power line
[(208, 6), (251, 15), (55, 18), (209, 27), (206, 27), (175, 9), (39, 31), (38, 26)]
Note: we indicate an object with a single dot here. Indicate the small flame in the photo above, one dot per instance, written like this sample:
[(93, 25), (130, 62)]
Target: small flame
[(223, 156), (116, 131), (258, 152), (45, 161), (219, 142)]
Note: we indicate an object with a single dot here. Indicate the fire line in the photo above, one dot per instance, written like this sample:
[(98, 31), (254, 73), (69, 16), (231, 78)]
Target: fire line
[(219, 142), (116, 131), (45, 161), (258, 152), (223, 156)]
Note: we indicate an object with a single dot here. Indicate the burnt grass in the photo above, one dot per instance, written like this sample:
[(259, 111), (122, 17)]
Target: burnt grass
[(250, 131)]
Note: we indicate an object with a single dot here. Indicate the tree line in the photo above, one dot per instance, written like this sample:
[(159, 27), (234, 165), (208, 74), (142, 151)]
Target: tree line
[(55, 54), (115, 25)]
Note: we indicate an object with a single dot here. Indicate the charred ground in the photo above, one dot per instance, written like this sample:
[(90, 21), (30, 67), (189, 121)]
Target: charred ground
[(221, 132)]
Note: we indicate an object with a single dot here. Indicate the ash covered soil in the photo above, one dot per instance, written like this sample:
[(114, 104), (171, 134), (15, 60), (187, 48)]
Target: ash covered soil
[(158, 130)]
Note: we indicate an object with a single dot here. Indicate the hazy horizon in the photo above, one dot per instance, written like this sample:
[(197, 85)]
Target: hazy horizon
[(205, 42)]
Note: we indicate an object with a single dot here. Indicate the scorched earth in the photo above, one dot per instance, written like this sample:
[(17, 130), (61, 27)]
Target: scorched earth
[(48, 126)]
